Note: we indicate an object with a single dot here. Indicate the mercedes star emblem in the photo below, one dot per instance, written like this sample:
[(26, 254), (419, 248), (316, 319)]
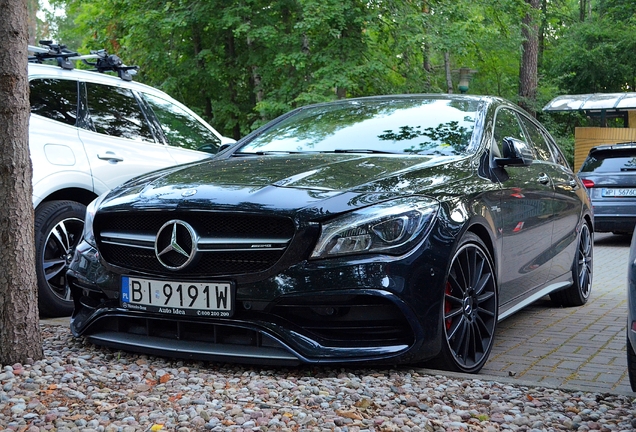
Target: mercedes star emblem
[(176, 244)]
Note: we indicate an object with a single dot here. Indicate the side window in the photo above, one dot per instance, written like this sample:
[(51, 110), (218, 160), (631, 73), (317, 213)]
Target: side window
[(114, 111), (54, 99), (541, 149), (506, 125), (180, 128), (556, 151)]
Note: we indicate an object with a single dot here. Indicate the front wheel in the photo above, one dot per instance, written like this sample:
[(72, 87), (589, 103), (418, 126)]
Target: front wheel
[(58, 229), (578, 293), (470, 308)]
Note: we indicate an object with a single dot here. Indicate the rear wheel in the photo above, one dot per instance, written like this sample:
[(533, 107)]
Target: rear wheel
[(58, 229), (578, 293), (470, 308)]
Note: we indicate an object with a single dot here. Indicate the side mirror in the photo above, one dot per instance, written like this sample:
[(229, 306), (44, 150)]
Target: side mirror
[(225, 147), (515, 153), (209, 148)]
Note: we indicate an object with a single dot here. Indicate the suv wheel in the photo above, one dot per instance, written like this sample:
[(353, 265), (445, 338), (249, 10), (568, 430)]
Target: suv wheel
[(58, 229)]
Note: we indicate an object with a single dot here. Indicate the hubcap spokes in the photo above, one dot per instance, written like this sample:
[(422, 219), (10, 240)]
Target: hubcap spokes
[(470, 307), (58, 252)]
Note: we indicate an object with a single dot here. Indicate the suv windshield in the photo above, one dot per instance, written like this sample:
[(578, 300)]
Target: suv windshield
[(424, 126)]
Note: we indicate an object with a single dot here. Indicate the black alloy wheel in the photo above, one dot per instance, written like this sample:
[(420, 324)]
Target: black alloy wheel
[(470, 308), (578, 293), (58, 230)]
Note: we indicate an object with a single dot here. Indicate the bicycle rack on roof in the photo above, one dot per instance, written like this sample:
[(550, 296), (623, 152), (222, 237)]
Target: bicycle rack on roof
[(104, 62)]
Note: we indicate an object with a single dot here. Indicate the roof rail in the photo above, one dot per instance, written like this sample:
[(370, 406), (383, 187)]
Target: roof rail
[(64, 57)]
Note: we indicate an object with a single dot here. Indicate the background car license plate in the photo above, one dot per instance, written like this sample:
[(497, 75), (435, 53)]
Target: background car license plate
[(212, 299), (616, 192)]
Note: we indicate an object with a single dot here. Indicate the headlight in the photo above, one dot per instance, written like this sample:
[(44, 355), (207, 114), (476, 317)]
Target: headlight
[(91, 209), (392, 227)]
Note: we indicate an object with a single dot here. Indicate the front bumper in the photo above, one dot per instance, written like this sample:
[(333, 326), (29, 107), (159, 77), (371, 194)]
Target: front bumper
[(336, 312)]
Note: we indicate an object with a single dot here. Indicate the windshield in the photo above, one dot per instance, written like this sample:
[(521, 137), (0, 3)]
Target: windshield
[(416, 126)]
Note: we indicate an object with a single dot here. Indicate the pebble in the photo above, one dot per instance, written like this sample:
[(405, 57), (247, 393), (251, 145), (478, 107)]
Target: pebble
[(84, 388)]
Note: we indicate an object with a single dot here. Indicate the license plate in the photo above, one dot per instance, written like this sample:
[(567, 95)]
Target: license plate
[(616, 192), (208, 299)]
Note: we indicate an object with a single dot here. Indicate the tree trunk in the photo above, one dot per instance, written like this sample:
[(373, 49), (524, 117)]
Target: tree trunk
[(582, 10), (426, 64), (542, 29), (529, 60), (231, 61), (20, 337), (198, 47), (256, 79), (447, 68)]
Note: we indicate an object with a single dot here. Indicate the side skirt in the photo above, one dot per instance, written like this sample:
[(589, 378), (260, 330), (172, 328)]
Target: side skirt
[(533, 298)]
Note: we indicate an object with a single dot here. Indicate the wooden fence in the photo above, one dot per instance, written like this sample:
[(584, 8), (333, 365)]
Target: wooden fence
[(587, 137)]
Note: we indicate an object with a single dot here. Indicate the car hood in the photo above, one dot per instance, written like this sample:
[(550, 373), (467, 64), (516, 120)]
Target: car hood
[(325, 182)]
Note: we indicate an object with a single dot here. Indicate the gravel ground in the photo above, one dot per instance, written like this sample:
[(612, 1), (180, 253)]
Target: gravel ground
[(79, 387)]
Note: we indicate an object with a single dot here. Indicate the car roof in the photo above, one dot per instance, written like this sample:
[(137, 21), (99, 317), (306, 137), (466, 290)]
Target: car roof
[(416, 96), (617, 147), (37, 70)]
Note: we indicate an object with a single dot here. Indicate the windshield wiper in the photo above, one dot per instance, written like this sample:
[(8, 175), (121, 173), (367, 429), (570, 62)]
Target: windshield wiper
[(284, 152), (265, 153), (361, 151)]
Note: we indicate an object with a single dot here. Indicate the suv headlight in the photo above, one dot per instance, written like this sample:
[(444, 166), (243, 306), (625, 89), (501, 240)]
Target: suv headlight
[(91, 209), (392, 227)]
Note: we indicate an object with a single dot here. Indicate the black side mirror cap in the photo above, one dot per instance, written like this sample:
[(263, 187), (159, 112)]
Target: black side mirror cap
[(225, 147)]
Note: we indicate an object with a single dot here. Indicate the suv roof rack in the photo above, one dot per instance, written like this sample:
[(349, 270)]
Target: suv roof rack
[(63, 56), (106, 62)]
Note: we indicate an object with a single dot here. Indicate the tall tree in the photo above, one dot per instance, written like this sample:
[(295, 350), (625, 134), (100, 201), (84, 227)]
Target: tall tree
[(20, 336), (528, 71)]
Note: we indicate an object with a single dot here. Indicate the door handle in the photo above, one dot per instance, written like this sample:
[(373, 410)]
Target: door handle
[(544, 178), (110, 156)]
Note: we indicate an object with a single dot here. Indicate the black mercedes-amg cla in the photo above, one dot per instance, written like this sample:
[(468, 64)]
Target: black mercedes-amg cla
[(393, 229)]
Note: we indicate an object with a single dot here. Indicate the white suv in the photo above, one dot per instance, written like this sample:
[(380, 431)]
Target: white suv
[(88, 133)]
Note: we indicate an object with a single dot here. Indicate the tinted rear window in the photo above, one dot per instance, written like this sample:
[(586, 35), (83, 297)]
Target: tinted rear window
[(610, 161)]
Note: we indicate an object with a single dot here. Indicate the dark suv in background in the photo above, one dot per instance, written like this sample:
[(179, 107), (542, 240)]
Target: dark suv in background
[(609, 174)]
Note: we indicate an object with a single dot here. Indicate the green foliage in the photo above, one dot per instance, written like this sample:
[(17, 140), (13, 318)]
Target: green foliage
[(240, 63), (595, 56)]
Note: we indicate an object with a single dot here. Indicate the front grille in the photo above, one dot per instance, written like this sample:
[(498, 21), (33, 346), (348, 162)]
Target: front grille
[(230, 243)]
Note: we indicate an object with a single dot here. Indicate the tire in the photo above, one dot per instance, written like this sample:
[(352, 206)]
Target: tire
[(631, 363), (58, 230), (578, 293), (469, 308)]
